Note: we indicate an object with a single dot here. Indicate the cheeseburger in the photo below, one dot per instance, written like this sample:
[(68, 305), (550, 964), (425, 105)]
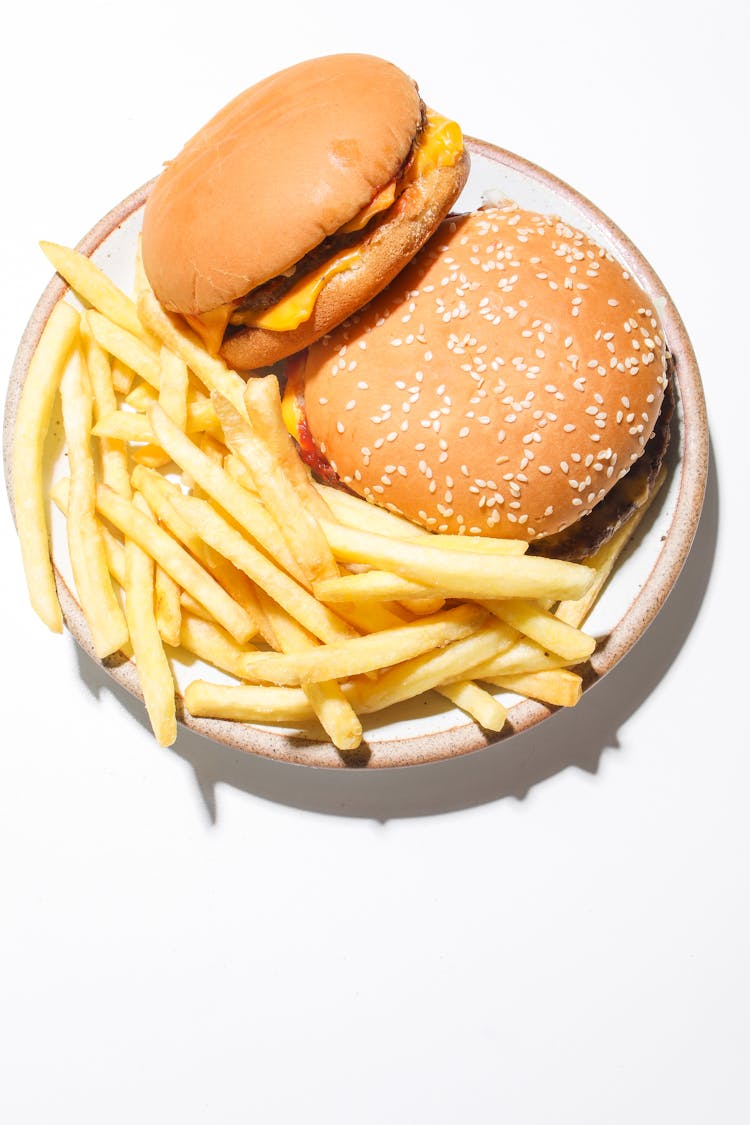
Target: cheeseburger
[(512, 381), (297, 203)]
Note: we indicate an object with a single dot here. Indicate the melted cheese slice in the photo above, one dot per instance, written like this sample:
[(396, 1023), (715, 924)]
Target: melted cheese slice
[(211, 326), (440, 145), (297, 306)]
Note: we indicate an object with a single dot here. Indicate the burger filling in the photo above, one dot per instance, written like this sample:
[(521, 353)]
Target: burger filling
[(286, 301)]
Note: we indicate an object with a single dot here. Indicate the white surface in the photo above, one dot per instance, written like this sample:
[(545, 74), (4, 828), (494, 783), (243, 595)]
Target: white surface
[(552, 931)]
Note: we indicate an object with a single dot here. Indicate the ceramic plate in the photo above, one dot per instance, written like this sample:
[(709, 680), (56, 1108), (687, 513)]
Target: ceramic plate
[(428, 728)]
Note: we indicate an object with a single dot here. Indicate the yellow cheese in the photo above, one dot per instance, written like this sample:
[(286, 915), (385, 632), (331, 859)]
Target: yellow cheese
[(297, 306), (440, 146), (211, 326)]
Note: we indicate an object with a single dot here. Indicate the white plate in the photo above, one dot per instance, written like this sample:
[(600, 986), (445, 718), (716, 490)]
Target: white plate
[(427, 729)]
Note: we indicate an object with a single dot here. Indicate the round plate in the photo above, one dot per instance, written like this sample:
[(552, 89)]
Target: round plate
[(428, 729)]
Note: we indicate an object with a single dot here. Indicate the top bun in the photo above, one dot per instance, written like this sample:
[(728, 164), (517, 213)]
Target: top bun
[(385, 249), (273, 174), (501, 385)]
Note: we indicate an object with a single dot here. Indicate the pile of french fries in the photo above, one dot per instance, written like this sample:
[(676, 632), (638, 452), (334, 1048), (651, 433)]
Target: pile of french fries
[(193, 524)]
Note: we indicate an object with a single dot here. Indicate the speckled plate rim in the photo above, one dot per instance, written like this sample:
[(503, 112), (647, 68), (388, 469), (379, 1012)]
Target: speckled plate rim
[(464, 737)]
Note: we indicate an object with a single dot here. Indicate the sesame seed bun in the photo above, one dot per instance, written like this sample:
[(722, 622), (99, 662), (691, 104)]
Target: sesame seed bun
[(501, 385), (275, 174)]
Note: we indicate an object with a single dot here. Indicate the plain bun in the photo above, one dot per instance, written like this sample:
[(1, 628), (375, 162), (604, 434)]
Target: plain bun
[(274, 173), (501, 385), (382, 255)]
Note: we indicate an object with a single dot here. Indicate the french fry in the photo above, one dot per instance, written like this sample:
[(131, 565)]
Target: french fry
[(263, 402), (32, 423), (544, 628), (523, 656), (423, 607), (460, 574), (364, 654), (237, 471), (128, 425), (150, 455), (433, 669), (303, 536), (188, 604), (201, 416), (93, 285), (295, 599), (122, 377), (113, 547), (141, 396), (575, 611), (335, 713), (224, 491), (247, 703), (289, 635), (123, 426), (159, 492), (113, 451), (355, 512), (215, 450), (173, 387), (328, 702), (475, 701), (167, 607), (154, 673), (105, 619), (210, 643), (372, 617), (370, 586), (212, 372), (559, 687), (474, 544), (129, 349), (365, 516), (176, 561)]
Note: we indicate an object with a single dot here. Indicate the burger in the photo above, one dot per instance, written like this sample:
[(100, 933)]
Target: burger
[(512, 381), (297, 203)]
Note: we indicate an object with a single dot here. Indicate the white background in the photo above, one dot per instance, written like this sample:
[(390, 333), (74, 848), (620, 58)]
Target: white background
[(553, 931)]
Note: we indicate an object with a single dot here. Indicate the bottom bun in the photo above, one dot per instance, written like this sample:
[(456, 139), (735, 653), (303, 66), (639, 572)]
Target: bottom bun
[(392, 244)]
